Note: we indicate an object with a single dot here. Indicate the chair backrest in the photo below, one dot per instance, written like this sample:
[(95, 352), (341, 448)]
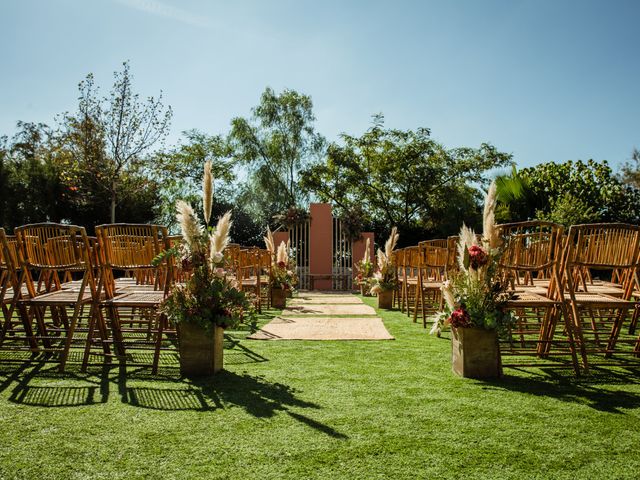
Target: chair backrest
[(433, 258), (603, 246), (9, 260), (131, 246), (50, 253), (8, 264), (53, 246), (530, 246)]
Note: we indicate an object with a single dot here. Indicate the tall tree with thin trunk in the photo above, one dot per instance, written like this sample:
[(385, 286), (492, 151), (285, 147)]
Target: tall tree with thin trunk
[(111, 138)]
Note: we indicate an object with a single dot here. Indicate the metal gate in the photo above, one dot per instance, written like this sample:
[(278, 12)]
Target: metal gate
[(299, 238), (342, 258)]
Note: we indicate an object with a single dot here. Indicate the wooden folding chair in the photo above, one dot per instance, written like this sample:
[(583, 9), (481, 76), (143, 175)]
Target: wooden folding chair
[(598, 318), (264, 272), (410, 269), (397, 260), (15, 333), (135, 320), (248, 273), (432, 264), (532, 250), (51, 253)]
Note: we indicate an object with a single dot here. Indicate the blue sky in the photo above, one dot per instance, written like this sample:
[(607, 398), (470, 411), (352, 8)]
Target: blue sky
[(544, 80)]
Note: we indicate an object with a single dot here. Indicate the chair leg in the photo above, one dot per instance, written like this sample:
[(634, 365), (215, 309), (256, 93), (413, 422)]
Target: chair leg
[(158, 345), (69, 339)]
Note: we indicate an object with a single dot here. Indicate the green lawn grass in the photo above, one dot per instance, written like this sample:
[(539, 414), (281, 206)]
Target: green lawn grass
[(294, 409)]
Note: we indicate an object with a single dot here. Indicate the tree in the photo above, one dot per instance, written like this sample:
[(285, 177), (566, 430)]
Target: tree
[(179, 171), (276, 144), (588, 185), (403, 178), (109, 139), (631, 170), (30, 179)]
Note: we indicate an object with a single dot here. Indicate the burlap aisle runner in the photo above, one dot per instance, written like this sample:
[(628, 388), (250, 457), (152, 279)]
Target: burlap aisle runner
[(340, 317)]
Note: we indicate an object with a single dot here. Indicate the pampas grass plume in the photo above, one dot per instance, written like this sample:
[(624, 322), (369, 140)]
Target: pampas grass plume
[(367, 254), (189, 225), (489, 230), (207, 191), (269, 242), (220, 238), (283, 254)]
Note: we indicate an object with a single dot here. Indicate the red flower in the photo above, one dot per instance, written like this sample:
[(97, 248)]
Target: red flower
[(460, 318), (477, 257), (282, 264)]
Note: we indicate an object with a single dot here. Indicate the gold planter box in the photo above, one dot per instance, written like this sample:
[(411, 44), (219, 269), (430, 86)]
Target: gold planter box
[(201, 350), (475, 353)]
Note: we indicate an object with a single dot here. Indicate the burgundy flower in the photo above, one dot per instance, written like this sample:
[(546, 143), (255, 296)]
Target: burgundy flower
[(477, 257), (282, 264), (460, 318)]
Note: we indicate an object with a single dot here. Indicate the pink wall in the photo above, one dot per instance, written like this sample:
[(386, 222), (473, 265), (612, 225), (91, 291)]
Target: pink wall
[(279, 237), (357, 250), (320, 243)]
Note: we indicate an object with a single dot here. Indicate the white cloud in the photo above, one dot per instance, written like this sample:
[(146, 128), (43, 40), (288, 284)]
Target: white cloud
[(160, 9)]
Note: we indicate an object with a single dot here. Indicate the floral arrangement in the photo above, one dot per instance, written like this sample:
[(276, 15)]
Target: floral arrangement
[(291, 217), (209, 297), (365, 267), (385, 278), (475, 295), (352, 223), (283, 264)]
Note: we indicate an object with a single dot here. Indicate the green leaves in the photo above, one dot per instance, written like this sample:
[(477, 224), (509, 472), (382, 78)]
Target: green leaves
[(402, 177)]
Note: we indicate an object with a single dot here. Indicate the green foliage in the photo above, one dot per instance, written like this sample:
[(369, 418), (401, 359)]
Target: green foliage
[(592, 185), (275, 144), (208, 299), (30, 178), (403, 178), (568, 210), (179, 171)]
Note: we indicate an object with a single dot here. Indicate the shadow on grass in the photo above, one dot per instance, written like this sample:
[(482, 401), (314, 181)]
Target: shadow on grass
[(587, 390), (59, 395), (43, 386)]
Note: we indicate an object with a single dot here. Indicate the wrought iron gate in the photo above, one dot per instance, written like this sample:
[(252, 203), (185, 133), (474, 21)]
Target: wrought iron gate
[(342, 258), (299, 238)]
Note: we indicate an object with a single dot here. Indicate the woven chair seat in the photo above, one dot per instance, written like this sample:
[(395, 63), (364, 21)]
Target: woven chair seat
[(604, 289), (137, 299), (598, 299), (136, 288), (60, 297), (528, 298), (531, 289)]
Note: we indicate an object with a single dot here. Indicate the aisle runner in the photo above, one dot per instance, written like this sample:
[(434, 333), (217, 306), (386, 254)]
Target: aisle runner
[(314, 316)]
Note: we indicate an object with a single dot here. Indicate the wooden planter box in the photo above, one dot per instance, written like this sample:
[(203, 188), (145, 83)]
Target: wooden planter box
[(475, 353), (385, 299), (201, 350), (278, 298)]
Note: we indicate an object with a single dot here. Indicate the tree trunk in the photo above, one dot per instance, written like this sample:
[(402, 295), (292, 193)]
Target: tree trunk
[(113, 207)]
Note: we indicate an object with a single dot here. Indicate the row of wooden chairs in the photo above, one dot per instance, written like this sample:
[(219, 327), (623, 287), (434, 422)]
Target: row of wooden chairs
[(561, 305), (60, 288)]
